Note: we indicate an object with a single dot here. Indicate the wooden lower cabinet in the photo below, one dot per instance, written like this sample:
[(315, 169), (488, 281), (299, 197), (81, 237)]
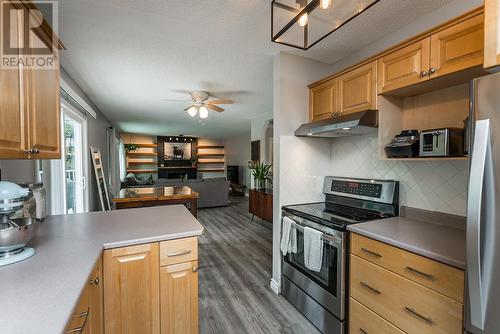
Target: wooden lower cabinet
[(385, 301), (434, 275), (87, 316), (96, 300), (261, 204), (131, 290), (362, 321), (152, 288), (179, 298)]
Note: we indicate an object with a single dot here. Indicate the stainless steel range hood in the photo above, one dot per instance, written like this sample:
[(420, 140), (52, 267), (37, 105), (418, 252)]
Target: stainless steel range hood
[(356, 124)]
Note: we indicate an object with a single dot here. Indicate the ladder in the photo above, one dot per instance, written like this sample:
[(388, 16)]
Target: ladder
[(102, 188)]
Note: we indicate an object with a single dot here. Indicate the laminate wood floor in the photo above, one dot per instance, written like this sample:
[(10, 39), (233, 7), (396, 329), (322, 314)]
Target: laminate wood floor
[(235, 257)]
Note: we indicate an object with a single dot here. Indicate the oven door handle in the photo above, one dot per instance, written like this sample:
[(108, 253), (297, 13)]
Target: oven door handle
[(336, 240)]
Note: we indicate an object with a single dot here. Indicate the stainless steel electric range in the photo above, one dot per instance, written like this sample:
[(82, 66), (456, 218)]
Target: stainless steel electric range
[(322, 296)]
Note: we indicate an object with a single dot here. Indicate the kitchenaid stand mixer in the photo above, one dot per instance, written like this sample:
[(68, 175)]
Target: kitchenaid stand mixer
[(15, 233)]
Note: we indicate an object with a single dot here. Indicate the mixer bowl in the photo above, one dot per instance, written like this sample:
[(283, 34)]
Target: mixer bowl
[(18, 234)]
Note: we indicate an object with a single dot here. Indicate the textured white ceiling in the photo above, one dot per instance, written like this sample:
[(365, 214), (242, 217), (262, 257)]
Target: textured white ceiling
[(130, 55)]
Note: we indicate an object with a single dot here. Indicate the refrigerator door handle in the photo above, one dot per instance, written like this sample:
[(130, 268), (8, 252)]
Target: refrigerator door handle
[(479, 172)]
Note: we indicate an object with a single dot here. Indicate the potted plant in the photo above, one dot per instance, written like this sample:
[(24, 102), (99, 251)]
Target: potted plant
[(260, 173), (131, 147)]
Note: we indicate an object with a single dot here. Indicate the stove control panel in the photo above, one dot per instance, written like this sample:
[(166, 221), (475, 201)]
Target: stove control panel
[(357, 188), (381, 191)]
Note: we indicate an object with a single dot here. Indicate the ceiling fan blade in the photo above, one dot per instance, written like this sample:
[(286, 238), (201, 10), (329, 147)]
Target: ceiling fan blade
[(226, 101), (173, 100), (187, 108), (214, 108)]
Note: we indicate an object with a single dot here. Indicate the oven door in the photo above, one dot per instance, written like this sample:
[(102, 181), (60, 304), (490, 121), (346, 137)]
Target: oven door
[(327, 286)]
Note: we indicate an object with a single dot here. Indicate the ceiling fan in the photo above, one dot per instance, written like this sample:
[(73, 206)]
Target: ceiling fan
[(201, 103)]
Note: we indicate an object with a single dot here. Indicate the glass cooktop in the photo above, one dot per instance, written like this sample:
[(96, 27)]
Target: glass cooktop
[(333, 213)]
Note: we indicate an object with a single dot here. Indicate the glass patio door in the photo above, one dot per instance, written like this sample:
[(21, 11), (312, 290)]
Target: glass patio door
[(74, 162)]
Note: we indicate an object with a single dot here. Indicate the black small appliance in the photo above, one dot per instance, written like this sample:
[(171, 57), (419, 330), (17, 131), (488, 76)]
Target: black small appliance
[(404, 145)]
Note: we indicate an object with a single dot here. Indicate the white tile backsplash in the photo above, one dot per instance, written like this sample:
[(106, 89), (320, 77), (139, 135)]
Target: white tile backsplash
[(430, 185), (303, 166)]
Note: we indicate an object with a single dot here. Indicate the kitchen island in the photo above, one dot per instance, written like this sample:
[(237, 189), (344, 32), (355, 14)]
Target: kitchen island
[(47, 286)]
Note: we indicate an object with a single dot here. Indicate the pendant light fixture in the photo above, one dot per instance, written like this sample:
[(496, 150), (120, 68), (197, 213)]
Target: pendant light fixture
[(303, 23)]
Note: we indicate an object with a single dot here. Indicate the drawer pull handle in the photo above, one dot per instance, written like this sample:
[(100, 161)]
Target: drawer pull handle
[(418, 315), (421, 273), (363, 331), (94, 281), (79, 329), (179, 253), (80, 315), (366, 285), (372, 253)]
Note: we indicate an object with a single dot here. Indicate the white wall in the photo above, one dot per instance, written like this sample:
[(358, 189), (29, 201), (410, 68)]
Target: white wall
[(18, 171), (295, 159), (238, 150)]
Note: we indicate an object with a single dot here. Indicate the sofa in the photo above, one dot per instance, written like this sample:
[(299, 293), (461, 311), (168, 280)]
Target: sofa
[(213, 192)]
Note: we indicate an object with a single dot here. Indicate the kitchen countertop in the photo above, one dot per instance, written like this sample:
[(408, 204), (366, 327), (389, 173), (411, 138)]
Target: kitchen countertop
[(438, 242), (39, 294)]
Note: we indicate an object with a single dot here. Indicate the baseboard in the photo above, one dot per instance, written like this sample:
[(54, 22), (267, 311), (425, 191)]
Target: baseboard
[(275, 287)]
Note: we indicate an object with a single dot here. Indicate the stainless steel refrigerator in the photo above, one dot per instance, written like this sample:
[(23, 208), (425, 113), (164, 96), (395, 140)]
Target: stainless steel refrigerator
[(483, 209)]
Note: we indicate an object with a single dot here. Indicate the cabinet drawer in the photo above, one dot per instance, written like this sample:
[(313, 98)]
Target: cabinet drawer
[(437, 276), (178, 251), (78, 322), (413, 308), (364, 321)]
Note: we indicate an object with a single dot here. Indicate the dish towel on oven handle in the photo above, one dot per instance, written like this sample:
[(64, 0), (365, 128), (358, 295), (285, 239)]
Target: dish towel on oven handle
[(313, 249), (288, 237)]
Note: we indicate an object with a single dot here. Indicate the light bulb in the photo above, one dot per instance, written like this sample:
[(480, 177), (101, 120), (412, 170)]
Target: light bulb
[(303, 20), (325, 4), (192, 111), (203, 112)]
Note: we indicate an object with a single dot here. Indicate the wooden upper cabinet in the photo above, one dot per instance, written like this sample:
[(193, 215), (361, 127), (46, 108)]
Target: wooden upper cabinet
[(491, 33), (43, 106), (357, 89), (29, 105), (458, 47), (12, 134), (404, 67), (131, 290), (179, 298), (323, 100)]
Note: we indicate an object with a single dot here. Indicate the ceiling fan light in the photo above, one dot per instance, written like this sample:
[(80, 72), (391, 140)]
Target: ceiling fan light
[(203, 112), (192, 111)]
